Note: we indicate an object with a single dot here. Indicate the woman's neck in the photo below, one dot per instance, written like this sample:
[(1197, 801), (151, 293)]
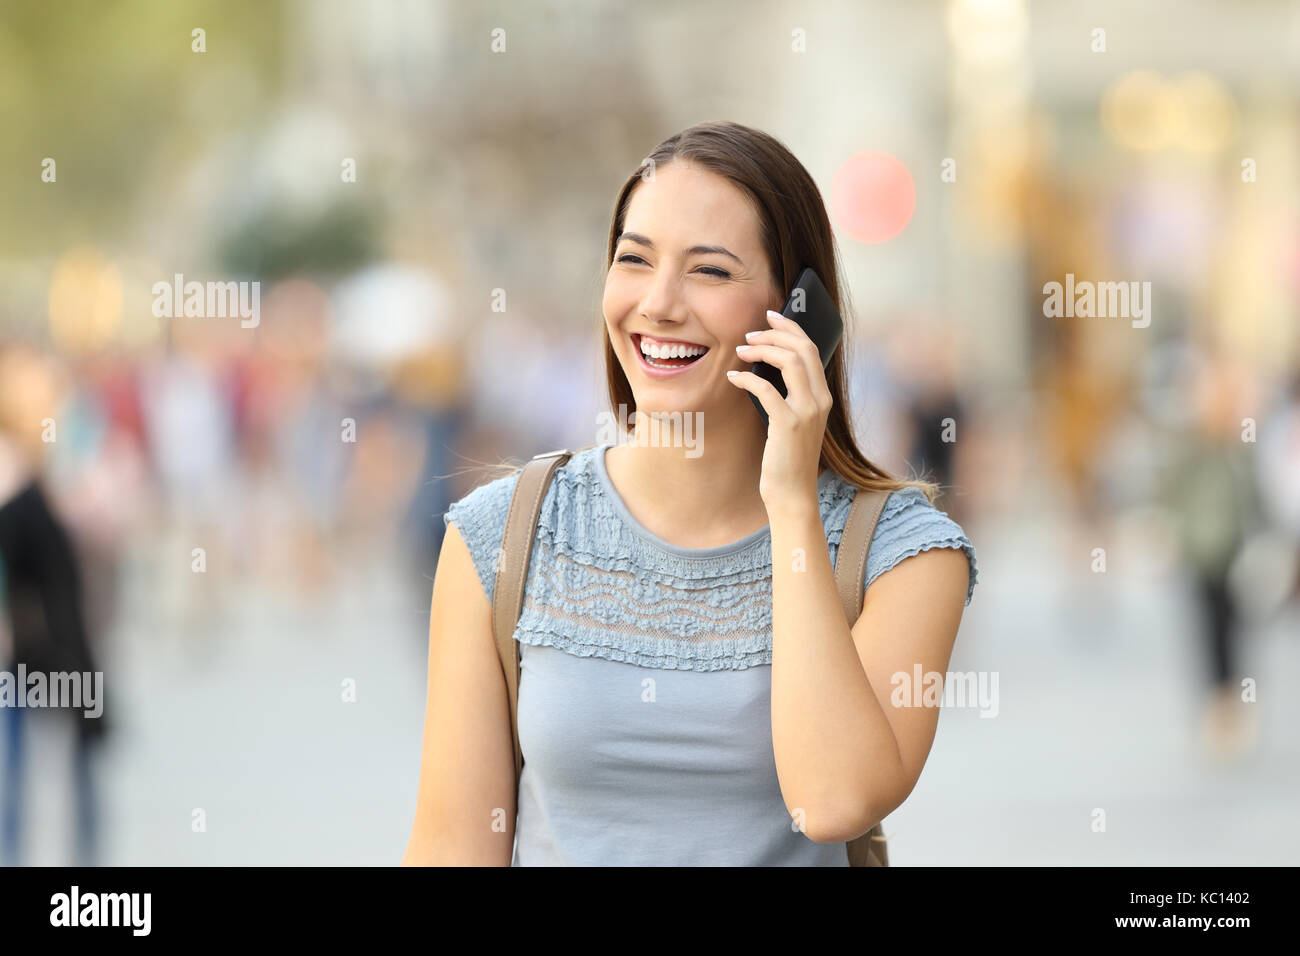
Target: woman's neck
[(694, 497)]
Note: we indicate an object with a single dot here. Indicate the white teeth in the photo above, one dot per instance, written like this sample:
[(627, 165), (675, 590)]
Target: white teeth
[(670, 351)]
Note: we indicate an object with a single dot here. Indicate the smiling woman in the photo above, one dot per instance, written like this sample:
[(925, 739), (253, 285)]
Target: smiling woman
[(690, 691)]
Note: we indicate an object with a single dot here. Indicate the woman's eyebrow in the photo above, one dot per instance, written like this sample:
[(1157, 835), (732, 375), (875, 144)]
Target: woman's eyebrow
[(644, 241)]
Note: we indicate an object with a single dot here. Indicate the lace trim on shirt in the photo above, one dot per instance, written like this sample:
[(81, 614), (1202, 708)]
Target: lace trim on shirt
[(625, 616), (598, 587), (577, 513)]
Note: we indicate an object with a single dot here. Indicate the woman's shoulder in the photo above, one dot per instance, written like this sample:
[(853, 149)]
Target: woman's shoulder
[(909, 524), (480, 515)]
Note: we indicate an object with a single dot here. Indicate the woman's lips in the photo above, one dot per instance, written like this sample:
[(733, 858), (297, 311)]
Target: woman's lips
[(655, 371)]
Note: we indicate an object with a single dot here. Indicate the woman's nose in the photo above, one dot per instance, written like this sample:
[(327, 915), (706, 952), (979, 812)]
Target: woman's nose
[(662, 299)]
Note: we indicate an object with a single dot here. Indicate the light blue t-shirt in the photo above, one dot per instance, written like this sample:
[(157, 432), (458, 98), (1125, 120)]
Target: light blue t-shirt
[(645, 683)]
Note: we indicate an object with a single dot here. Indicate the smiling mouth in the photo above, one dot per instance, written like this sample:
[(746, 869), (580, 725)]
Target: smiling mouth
[(665, 354)]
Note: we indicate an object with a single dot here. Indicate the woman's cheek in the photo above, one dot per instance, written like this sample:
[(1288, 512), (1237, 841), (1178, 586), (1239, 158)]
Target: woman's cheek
[(617, 299)]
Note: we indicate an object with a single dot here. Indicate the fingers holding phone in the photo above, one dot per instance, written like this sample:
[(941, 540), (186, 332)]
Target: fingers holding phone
[(810, 307), (786, 349), (805, 379), (796, 420)]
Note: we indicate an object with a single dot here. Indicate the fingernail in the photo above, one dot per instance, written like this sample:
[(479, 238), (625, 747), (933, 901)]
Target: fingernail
[(777, 314), (741, 348), (732, 373), (750, 335)]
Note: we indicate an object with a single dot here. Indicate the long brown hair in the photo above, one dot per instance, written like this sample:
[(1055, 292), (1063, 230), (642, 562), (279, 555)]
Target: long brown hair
[(796, 232)]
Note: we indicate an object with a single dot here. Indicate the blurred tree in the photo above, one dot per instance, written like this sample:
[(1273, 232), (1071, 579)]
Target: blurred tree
[(115, 95), (272, 245)]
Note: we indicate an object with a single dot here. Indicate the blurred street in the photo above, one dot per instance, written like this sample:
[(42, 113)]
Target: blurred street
[(1099, 708), (276, 290), (253, 730)]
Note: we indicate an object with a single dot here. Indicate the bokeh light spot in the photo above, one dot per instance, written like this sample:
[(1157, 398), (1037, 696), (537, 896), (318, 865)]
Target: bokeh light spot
[(872, 197), (85, 301)]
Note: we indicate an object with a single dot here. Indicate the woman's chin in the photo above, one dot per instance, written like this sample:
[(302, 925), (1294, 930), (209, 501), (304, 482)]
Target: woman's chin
[(652, 408), (676, 396)]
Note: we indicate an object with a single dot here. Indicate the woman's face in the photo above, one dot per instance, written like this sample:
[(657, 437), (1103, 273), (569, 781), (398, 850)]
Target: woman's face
[(689, 279)]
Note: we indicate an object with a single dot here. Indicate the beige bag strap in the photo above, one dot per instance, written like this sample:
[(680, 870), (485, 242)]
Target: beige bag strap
[(512, 573), (850, 576)]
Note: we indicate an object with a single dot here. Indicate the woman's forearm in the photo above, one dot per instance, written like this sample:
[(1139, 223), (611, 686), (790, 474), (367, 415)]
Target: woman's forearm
[(836, 756)]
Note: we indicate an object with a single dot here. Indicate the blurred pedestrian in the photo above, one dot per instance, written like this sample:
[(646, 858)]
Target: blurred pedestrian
[(40, 582), (1211, 489)]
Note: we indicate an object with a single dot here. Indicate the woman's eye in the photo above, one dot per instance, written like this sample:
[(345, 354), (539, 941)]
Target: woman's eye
[(707, 270)]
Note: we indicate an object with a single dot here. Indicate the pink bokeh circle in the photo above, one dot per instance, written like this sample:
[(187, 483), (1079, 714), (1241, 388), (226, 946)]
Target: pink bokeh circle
[(873, 196)]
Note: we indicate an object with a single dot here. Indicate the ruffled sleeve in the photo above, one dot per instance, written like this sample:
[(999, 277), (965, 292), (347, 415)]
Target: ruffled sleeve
[(480, 517), (908, 525)]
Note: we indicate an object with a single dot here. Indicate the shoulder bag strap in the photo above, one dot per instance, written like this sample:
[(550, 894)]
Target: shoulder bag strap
[(512, 573), (850, 576)]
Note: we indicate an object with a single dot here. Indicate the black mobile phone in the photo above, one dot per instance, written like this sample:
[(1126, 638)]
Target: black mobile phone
[(810, 305)]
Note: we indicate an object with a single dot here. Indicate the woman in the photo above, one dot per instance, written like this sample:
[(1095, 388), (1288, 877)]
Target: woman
[(690, 692)]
